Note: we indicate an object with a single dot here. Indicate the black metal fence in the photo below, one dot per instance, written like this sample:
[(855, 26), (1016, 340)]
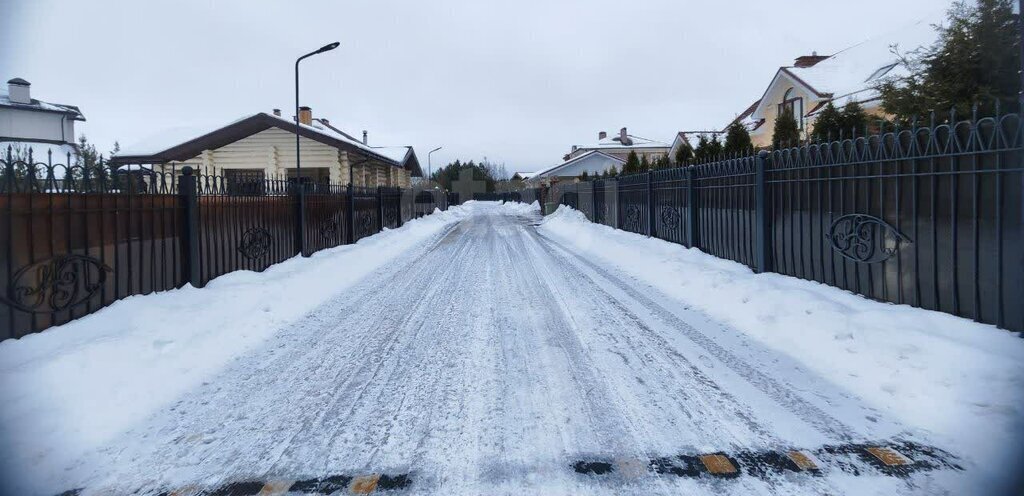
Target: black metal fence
[(74, 239), (929, 216)]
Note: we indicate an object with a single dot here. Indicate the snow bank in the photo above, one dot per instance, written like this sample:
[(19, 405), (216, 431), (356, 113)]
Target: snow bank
[(958, 379), (73, 387)]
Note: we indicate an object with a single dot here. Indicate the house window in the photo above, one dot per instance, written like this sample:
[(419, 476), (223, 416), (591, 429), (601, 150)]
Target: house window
[(794, 104)]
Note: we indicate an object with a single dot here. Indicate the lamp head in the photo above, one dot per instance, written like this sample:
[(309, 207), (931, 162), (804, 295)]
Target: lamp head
[(327, 48)]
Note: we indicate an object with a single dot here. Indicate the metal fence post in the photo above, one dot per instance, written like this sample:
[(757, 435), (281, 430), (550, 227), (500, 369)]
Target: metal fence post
[(380, 209), (300, 217), (650, 204), (763, 227), (399, 206), (691, 207), (593, 201), (350, 215), (188, 194), (618, 205)]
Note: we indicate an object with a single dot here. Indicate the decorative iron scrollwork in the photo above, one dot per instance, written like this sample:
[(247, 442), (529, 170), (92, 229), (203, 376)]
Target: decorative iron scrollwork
[(390, 216), (330, 229), (255, 243), (56, 284), (865, 238), (364, 223), (669, 218), (631, 222)]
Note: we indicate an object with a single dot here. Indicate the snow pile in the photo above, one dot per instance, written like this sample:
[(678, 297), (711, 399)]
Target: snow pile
[(516, 208), (960, 380), (73, 387)]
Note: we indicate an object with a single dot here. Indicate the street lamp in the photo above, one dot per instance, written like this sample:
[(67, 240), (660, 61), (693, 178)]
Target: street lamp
[(300, 238), (430, 167)]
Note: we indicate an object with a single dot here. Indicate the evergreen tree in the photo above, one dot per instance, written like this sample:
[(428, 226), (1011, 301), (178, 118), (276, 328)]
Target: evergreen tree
[(584, 176), (975, 59), (737, 140), (700, 152), (613, 172), (828, 124), (684, 154), (632, 164), (786, 132), (645, 165), (853, 119)]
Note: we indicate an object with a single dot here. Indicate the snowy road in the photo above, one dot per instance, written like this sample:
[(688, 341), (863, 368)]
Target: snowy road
[(493, 361)]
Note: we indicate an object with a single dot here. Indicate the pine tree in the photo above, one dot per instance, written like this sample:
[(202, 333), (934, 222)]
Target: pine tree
[(786, 132), (828, 124), (975, 59), (613, 172), (737, 139), (684, 154), (853, 119), (584, 176), (700, 153), (632, 164), (645, 165)]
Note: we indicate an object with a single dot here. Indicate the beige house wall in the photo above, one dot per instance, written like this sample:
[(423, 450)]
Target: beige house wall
[(769, 109), (273, 150)]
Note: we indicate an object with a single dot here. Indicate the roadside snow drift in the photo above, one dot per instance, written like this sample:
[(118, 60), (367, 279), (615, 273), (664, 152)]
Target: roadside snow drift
[(958, 379), (73, 387)]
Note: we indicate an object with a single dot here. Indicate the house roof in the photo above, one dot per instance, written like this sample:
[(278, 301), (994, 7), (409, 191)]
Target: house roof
[(853, 72), (178, 145), (548, 172), (612, 143), (404, 155), (41, 106), (524, 175)]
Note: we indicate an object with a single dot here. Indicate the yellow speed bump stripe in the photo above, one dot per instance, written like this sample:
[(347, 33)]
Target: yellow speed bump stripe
[(275, 488), (365, 484), (718, 464), (802, 460), (888, 456)]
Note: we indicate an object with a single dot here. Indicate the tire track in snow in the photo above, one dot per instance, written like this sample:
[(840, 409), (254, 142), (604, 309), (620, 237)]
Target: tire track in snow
[(798, 406)]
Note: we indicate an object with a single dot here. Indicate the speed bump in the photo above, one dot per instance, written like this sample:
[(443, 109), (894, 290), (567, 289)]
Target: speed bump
[(888, 456), (365, 484), (802, 460), (718, 465)]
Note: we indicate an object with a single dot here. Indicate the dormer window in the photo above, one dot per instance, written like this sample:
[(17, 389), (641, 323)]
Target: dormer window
[(794, 104), (882, 71)]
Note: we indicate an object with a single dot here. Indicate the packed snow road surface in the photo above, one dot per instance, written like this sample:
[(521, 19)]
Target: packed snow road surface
[(491, 360)]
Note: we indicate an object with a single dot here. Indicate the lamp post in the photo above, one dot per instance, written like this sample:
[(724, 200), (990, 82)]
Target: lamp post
[(430, 167), (300, 216)]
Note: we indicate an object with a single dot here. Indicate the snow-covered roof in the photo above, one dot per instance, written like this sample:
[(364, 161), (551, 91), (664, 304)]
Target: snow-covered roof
[(554, 168), (396, 153), (186, 138), (851, 73), (525, 175), (861, 66), (41, 106), (613, 142)]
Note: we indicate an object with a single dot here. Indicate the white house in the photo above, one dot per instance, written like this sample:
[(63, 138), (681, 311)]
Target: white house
[(26, 122), (593, 163), (851, 74), (263, 144), (621, 145)]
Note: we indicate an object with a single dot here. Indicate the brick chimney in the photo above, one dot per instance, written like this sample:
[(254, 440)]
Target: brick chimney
[(18, 90), (624, 137), (365, 141), (602, 135), (306, 116), (809, 60)]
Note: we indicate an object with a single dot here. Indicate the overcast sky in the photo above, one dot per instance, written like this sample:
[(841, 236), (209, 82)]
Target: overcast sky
[(516, 81)]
